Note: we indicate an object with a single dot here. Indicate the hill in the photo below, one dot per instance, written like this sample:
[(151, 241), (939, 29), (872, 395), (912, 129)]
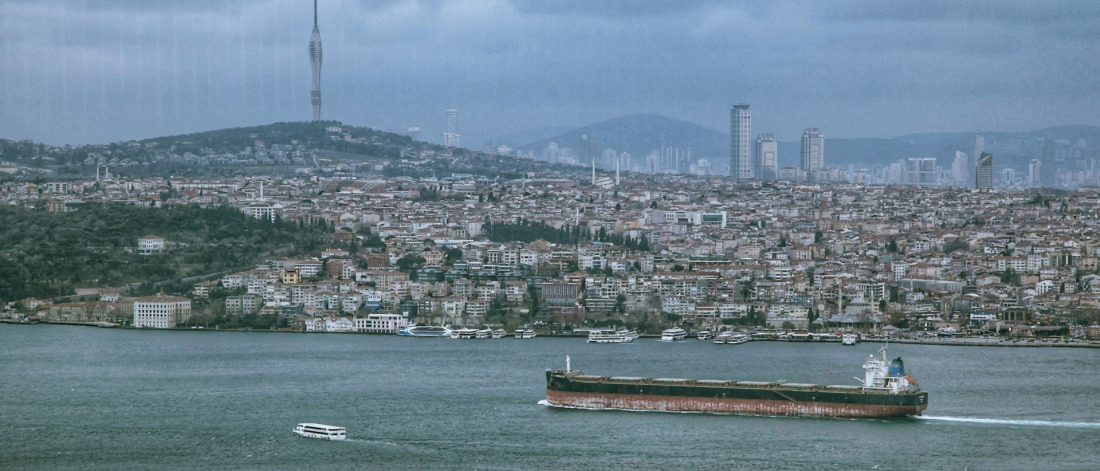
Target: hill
[(639, 134)]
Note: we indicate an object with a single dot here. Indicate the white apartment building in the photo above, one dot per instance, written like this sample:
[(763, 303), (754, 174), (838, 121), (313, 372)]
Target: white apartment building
[(381, 323), (161, 312)]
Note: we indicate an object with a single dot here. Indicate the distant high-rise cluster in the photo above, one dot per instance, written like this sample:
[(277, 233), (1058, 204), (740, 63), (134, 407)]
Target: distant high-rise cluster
[(450, 130), (315, 62), (740, 142), (812, 155), (765, 157)]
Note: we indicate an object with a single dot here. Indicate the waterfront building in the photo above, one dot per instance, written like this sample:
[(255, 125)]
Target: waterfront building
[(740, 143), (381, 323), (812, 155), (984, 173), (765, 157), (315, 63), (161, 312)]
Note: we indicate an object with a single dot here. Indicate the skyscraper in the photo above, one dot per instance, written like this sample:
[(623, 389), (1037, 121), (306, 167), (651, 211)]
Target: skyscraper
[(979, 147), (984, 176), (765, 157), (740, 142), (812, 156), (586, 152), (960, 168), (450, 131), (315, 62)]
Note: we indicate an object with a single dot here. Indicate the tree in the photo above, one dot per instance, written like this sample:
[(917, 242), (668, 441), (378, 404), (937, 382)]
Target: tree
[(410, 262), (957, 244), (892, 245)]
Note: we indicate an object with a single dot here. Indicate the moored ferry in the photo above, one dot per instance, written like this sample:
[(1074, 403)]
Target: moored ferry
[(887, 391), (463, 333), (674, 333), (525, 333), (322, 431), (732, 338), (610, 336), (425, 331)]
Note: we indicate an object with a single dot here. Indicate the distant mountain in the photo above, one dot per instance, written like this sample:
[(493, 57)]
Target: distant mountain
[(529, 135), (639, 134)]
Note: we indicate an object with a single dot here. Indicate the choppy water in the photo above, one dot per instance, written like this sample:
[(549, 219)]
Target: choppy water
[(87, 398)]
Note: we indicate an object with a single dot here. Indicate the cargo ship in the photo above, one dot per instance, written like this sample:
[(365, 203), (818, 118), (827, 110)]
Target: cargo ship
[(887, 390)]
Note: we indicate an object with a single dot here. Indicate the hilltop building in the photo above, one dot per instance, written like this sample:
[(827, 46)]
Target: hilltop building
[(450, 134)]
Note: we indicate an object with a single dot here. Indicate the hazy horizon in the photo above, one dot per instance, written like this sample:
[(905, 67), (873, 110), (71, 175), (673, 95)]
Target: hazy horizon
[(93, 72)]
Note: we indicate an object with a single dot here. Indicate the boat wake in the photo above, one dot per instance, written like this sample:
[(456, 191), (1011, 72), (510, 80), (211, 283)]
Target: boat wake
[(1033, 423)]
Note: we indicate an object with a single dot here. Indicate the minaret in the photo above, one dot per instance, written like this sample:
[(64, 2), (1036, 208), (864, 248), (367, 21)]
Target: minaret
[(315, 61), (617, 158), (593, 169)]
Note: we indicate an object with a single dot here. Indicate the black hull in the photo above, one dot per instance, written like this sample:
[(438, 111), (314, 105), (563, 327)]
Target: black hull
[(598, 392)]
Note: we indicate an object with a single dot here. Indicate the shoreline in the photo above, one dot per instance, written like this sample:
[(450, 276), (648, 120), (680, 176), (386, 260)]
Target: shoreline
[(955, 342)]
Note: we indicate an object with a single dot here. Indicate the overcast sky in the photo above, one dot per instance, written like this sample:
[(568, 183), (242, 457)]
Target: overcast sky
[(96, 71)]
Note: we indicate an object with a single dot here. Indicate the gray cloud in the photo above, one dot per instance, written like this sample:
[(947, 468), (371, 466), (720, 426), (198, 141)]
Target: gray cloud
[(95, 71)]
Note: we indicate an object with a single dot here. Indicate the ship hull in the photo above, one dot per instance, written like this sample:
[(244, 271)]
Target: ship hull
[(730, 398)]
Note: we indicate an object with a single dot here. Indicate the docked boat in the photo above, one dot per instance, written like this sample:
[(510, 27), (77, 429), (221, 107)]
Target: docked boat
[(849, 338), (322, 431), (425, 331), (483, 333), (704, 335), (734, 338), (887, 390), (525, 333), (499, 333), (674, 333), (610, 336), (463, 333)]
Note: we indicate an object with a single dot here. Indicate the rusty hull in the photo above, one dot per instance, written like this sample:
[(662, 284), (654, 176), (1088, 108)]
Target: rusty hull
[(725, 405)]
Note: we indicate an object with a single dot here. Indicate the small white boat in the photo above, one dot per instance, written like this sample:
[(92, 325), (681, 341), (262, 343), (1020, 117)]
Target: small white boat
[(704, 335), (483, 334), (609, 336), (672, 334), (849, 338), (499, 333), (322, 431), (525, 333)]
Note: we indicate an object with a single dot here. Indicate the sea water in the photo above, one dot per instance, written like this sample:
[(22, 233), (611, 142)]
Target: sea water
[(89, 398)]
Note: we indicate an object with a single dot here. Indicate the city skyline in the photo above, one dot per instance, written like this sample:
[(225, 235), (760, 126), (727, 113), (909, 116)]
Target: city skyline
[(86, 72)]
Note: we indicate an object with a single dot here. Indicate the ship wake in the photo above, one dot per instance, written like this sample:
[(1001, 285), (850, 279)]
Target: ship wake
[(1029, 423)]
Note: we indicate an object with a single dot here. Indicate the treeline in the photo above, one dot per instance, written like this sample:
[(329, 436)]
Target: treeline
[(525, 231), (48, 255)]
